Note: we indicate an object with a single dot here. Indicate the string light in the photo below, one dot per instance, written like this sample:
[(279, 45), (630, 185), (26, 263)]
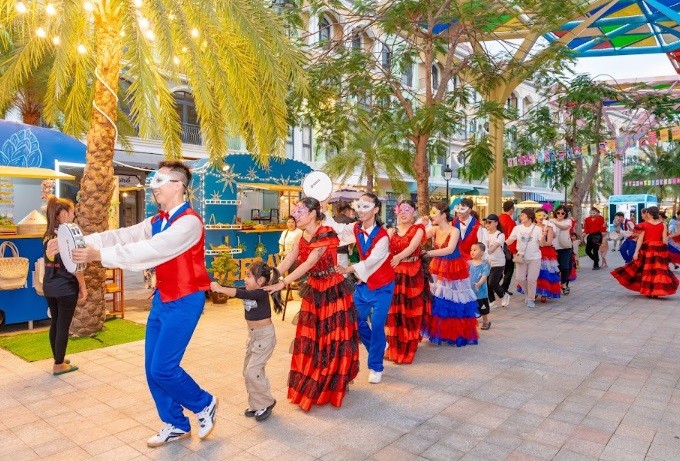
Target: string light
[(194, 33), (56, 40), (89, 6), (143, 23), (82, 49), (21, 7), (171, 17), (184, 49), (49, 9), (175, 59), (149, 35), (40, 32), (139, 3)]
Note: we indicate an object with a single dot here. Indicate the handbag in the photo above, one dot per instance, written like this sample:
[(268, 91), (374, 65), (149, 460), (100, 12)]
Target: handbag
[(13, 269), (519, 257), (39, 276), (563, 238)]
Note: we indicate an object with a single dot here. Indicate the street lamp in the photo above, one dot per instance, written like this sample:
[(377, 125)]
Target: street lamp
[(448, 172)]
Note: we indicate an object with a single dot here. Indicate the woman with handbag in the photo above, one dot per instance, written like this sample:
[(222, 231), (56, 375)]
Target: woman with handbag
[(528, 257), (563, 245), (61, 288)]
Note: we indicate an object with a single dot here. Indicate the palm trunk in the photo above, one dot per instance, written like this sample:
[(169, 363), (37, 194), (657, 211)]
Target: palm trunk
[(422, 168), (370, 183), (96, 187)]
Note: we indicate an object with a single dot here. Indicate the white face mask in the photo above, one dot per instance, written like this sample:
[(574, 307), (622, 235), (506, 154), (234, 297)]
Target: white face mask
[(362, 206), (161, 179), (462, 209)]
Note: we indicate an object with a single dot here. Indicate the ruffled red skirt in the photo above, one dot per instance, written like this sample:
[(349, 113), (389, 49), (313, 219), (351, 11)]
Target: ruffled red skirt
[(410, 305), (649, 274), (326, 347)]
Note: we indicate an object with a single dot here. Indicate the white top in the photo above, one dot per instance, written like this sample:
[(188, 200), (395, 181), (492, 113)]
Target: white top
[(497, 257), (288, 238), (133, 248), (567, 232), (381, 248), (527, 241)]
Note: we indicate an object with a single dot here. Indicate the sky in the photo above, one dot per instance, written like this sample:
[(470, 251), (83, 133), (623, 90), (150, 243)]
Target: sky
[(627, 67)]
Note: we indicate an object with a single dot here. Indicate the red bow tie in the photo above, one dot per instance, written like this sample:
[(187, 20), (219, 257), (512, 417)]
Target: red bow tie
[(164, 215)]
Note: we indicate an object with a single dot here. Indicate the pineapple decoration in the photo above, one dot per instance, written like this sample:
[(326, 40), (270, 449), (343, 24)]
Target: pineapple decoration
[(260, 249), (46, 189)]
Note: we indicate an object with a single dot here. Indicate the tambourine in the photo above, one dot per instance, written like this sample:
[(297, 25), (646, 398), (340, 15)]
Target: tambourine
[(318, 185), (70, 237)]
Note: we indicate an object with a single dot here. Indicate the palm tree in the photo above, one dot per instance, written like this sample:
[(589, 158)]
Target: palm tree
[(371, 149), (235, 55)]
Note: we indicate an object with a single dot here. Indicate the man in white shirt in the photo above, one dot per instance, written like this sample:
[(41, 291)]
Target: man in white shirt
[(173, 242)]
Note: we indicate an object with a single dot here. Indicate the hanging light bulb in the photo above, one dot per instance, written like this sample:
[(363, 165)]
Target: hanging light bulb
[(56, 40), (49, 9), (82, 49), (40, 32), (194, 33), (21, 7), (89, 6)]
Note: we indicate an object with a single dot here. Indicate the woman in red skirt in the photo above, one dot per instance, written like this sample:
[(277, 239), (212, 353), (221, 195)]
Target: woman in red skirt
[(411, 298), (326, 347), (648, 272)]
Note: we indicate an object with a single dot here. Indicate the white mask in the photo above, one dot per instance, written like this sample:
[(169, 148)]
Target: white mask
[(160, 179), (462, 209), (363, 206)]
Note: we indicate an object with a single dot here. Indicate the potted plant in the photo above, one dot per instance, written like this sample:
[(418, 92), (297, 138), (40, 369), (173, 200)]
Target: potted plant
[(223, 268)]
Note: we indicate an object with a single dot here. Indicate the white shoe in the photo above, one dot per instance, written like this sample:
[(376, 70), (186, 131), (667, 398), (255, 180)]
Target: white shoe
[(206, 419), (167, 434), (374, 377), (506, 300), (493, 305), (531, 304)]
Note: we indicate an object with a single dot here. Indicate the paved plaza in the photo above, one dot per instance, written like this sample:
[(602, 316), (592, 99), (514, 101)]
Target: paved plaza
[(592, 376)]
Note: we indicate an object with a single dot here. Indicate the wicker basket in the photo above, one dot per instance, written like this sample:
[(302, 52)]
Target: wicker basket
[(13, 270)]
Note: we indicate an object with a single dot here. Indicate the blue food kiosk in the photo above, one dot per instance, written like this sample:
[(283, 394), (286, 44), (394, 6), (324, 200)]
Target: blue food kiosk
[(32, 154), (628, 204)]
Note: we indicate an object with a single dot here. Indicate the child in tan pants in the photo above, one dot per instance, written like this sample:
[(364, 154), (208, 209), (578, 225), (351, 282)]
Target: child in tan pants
[(261, 335)]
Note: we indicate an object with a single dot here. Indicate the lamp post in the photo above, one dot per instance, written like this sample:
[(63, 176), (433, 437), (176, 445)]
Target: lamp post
[(448, 172)]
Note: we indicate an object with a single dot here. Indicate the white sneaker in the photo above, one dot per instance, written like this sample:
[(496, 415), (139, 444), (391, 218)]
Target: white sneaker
[(531, 304), (506, 300), (374, 377), (206, 419), (493, 305), (167, 434)]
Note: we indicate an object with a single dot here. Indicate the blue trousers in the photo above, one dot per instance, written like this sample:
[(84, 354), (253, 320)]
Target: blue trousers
[(168, 331), (628, 250), (376, 304)]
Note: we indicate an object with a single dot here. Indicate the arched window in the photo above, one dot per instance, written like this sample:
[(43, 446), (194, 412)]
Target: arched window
[(324, 30), (186, 109), (512, 103), (356, 41), (435, 77), (526, 104), (386, 56)]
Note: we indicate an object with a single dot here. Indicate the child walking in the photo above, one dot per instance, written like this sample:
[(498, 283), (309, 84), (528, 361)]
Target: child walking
[(479, 273), (604, 247), (261, 335)]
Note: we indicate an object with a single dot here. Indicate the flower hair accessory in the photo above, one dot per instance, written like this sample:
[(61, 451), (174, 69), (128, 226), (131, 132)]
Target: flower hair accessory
[(547, 207)]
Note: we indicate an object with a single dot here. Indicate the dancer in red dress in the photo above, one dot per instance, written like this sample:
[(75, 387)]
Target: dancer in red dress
[(326, 347), (548, 283), (648, 272), (411, 298)]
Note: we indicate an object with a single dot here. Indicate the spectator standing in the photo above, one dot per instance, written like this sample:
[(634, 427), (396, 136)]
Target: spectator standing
[(593, 230)]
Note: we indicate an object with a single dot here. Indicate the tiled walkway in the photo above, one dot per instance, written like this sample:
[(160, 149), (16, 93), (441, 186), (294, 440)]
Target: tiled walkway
[(592, 376)]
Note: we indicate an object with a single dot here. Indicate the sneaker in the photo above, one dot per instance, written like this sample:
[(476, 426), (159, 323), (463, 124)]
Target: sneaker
[(374, 377), (486, 326), (206, 419), (531, 304), (506, 300), (261, 415), (493, 305), (251, 413), (167, 434)]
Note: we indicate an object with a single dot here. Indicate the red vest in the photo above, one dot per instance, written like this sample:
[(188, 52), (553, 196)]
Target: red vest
[(465, 244), (185, 273), (385, 273)]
